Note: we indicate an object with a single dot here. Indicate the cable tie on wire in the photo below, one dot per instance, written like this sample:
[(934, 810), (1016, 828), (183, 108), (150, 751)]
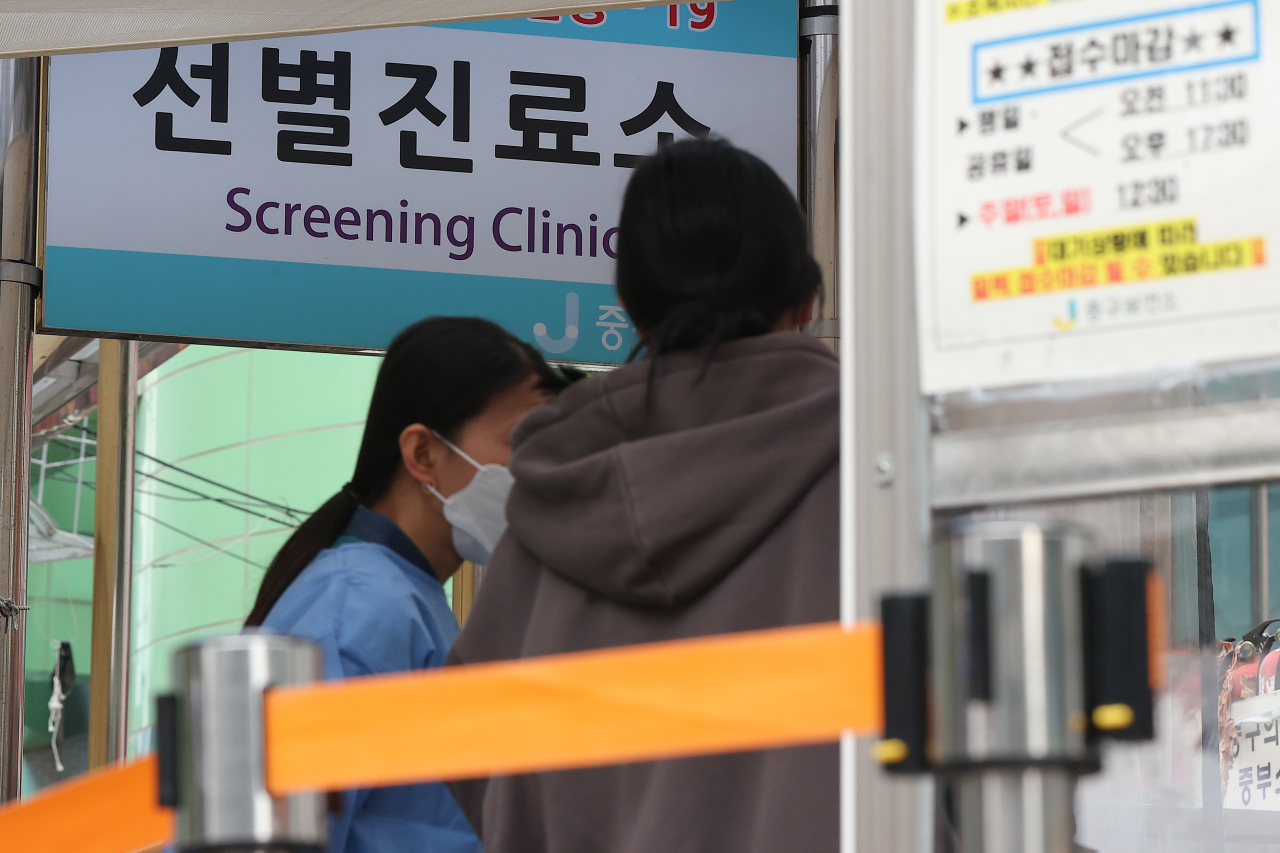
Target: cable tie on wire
[(9, 610)]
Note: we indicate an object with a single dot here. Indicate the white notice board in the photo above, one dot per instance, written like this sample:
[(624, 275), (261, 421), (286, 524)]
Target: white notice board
[(1255, 768), (1096, 187)]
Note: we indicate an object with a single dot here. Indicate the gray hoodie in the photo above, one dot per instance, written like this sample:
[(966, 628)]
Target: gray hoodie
[(693, 495)]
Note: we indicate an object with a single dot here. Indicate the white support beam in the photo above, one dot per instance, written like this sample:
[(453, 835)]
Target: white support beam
[(884, 475), (1107, 455)]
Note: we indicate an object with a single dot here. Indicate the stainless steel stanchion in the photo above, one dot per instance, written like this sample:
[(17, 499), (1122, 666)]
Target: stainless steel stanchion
[(19, 280), (1038, 651), (819, 96), (212, 747), (1017, 683)]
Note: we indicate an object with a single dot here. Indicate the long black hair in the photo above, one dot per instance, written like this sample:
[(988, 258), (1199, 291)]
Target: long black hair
[(711, 247), (439, 372)]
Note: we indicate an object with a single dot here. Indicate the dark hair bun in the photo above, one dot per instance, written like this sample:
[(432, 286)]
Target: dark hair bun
[(711, 247)]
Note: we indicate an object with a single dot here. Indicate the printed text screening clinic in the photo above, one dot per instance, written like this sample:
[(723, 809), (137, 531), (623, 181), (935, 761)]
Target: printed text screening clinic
[(515, 229)]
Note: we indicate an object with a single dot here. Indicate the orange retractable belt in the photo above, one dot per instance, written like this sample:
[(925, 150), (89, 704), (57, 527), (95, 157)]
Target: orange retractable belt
[(107, 811), (688, 697), (726, 693)]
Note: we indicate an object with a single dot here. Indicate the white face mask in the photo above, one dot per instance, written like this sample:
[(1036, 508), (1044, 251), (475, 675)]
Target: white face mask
[(478, 511)]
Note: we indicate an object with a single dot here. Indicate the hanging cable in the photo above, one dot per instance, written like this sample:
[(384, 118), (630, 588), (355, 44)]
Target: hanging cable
[(241, 506), (199, 497), (232, 504), (177, 530), (277, 506), (207, 554), (204, 542), (237, 505), (295, 513)]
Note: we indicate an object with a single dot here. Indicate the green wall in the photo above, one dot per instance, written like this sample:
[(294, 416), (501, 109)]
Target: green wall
[(281, 426)]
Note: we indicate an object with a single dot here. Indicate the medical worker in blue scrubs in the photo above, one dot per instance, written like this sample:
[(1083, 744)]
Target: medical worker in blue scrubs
[(363, 576)]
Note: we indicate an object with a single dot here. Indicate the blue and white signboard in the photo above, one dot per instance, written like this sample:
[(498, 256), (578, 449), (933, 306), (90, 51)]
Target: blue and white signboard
[(328, 190)]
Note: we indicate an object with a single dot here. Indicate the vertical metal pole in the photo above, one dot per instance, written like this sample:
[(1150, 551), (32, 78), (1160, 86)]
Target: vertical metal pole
[(44, 467), (75, 516), (120, 638), (884, 435), (1211, 779), (112, 552), (819, 109), (19, 277), (1260, 551)]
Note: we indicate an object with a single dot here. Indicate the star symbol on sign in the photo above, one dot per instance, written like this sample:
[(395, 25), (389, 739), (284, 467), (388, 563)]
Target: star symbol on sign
[(997, 72), (1029, 68), (1227, 34), (1193, 40)]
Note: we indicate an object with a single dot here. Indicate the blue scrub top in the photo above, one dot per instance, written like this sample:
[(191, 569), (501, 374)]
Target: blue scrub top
[(373, 603)]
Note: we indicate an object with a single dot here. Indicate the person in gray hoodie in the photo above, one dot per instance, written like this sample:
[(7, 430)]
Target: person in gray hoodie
[(692, 492)]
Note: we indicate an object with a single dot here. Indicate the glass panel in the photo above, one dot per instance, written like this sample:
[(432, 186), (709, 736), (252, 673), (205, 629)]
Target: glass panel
[(1150, 797), (1273, 550), (254, 434), (1230, 533), (1184, 615), (60, 593)]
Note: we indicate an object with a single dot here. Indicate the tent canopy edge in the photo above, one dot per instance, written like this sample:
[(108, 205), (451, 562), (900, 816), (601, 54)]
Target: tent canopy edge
[(48, 27)]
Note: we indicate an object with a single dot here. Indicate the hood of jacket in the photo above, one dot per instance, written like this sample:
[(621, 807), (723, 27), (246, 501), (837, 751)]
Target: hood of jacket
[(648, 484)]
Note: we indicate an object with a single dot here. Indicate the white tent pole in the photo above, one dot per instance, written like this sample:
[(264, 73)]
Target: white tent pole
[(848, 375), (884, 516), (848, 408)]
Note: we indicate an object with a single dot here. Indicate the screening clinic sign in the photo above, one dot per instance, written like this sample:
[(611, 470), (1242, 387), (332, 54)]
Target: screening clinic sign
[(1096, 186), (328, 190)]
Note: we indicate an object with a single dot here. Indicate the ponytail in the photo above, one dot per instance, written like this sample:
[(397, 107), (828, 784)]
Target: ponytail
[(315, 534), (702, 323), (440, 372)]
